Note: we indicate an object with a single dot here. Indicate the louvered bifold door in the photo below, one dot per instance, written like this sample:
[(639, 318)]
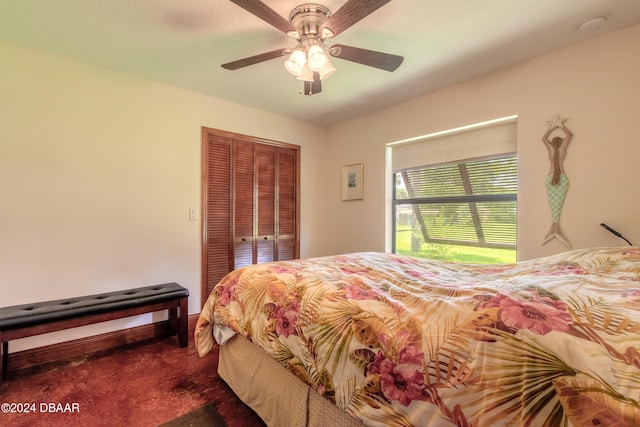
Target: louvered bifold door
[(266, 156), (250, 203), (243, 222), (287, 184), (217, 154)]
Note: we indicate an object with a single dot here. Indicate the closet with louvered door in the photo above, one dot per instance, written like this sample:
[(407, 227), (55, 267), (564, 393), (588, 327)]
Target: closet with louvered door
[(250, 203)]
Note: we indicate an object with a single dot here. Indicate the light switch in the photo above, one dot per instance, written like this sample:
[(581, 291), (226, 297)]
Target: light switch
[(193, 214)]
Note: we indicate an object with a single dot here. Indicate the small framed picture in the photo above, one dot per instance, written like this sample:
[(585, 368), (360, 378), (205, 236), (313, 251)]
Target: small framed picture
[(353, 182)]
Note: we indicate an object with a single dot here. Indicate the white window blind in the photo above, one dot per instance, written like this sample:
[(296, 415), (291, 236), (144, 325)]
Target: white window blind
[(477, 142)]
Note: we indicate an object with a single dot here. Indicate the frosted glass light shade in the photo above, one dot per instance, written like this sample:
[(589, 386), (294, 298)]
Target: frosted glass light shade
[(296, 62), (327, 70), (317, 58), (306, 74)]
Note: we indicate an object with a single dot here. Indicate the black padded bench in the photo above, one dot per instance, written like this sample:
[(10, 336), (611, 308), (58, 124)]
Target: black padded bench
[(20, 321)]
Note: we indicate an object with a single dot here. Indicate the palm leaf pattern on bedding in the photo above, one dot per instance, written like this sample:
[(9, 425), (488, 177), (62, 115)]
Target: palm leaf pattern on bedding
[(399, 341)]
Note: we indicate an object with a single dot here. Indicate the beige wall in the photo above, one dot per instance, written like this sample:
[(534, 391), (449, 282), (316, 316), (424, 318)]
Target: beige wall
[(595, 85), (98, 171)]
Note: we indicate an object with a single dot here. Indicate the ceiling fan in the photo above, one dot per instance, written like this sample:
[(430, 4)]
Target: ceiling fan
[(310, 24)]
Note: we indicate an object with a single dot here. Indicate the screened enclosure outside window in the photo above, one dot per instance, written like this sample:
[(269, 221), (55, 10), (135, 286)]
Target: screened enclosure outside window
[(464, 211)]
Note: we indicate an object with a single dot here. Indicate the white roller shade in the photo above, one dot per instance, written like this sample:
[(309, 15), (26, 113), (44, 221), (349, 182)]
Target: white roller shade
[(481, 141)]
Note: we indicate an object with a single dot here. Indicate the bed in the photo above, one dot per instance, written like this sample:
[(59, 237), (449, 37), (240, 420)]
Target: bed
[(382, 339)]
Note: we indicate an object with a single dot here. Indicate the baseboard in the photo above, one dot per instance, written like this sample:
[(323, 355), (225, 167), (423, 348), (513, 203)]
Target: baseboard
[(92, 344)]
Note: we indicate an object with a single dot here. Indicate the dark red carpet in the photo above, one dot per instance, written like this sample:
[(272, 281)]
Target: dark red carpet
[(145, 384)]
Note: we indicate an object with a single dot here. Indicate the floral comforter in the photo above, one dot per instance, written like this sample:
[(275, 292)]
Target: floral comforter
[(400, 341)]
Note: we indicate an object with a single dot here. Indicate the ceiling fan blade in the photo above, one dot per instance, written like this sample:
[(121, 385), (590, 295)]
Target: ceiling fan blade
[(372, 58), (264, 12), (350, 13), (245, 62), (311, 88)]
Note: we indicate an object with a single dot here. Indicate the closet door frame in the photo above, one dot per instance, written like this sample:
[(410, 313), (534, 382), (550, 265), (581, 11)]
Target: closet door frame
[(206, 134)]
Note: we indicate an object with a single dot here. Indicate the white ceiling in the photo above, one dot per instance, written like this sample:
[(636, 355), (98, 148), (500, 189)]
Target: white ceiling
[(183, 42)]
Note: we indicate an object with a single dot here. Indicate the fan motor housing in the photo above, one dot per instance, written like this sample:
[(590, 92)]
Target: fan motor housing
[(308, 18)]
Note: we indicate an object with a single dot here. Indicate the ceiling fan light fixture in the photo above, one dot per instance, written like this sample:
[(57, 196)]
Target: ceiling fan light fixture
[(324, 72), (296, 62), (317, 58), (327, 70)]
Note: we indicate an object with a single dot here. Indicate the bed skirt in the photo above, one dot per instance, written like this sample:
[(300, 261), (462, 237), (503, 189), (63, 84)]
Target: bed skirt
[(274, 393)]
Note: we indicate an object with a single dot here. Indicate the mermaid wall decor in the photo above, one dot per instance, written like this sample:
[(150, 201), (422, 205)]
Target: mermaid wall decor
[(557, 182)]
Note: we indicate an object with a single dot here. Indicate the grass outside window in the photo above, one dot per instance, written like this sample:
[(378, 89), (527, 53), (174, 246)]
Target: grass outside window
[(408, 243)]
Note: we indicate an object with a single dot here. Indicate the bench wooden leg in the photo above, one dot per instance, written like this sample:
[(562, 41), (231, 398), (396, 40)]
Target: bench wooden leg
[(183, 323), (173, 321), (4, 351)]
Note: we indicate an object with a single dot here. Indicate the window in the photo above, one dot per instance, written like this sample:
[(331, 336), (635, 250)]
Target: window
[(460, 209)]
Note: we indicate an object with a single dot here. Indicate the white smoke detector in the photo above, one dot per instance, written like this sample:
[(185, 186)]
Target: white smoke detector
[(592, 25)]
